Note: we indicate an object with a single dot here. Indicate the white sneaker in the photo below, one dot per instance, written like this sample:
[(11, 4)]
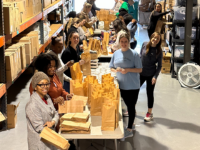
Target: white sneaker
[(149, 117), (125, 114)]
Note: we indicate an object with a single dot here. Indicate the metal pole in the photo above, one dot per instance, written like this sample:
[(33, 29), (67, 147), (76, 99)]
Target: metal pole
[(188, 31)]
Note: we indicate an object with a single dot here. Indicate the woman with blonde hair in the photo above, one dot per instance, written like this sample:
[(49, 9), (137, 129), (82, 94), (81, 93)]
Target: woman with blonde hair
[(151, 55), (127, 64), (86, 10)]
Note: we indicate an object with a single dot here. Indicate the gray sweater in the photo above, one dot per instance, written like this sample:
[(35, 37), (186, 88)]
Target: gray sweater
[(151, 63), (37, 114)]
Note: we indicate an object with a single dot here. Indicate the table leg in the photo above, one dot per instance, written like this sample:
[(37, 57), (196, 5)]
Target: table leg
[(104, 144), (116, 146), (78, 145)]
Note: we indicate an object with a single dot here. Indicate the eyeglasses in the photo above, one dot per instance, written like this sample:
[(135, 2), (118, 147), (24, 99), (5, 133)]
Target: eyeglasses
[(44, 85)]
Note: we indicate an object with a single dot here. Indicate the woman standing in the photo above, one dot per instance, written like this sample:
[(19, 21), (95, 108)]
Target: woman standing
[(40, 112), (127, 64), (124, 5), (94, 7), (56, 49), (83, 35), (154, 17), (116, 7), (151, 54), (120, 28), (71, 53)]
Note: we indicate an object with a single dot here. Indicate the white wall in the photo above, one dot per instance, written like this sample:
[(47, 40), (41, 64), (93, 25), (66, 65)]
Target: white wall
[(106, 4)]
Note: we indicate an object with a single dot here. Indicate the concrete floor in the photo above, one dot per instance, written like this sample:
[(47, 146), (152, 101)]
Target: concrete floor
[(176, 124)]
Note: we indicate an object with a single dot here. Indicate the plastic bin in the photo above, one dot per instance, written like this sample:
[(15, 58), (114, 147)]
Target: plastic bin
[(183, 2), (180, 31), (179, 13), (179, 51)]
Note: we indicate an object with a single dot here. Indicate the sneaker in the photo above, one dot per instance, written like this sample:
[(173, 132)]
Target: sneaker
[(127, 133), (133, 127), (149, 117), (125, 114)]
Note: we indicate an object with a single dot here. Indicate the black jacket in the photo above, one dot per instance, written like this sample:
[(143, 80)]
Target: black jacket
[(70, 54), (93, 10)]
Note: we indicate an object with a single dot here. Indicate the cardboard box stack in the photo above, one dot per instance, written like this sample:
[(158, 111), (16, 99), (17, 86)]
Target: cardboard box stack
[(11, 116), (19, 11), (166, 65)]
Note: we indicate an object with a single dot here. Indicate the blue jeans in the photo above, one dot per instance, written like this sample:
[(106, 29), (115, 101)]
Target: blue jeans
[(66, 86)]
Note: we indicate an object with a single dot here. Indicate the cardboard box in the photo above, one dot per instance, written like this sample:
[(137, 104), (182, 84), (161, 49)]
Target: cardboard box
[(29, 11), (18, 57), (10, 66), (8, 19), (12, 116), (22, 10), (47, 3), (165, 61), (52, 1), (165, 69)]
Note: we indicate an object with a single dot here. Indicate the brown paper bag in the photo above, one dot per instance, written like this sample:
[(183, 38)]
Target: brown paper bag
[(71, 107), (106, 38), (76, 117), (54, 138), (75, 69), (104, 51), (93, 44), (86, 67), (90, 43), (106, 25), (108, 117), (83, 98), (96, 104)]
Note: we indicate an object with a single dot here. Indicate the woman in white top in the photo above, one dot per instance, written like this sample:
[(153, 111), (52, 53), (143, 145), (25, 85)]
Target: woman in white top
[(120, 28), (56, 49), (116, 7)]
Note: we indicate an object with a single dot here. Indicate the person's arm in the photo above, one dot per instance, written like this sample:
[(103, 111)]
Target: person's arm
[(160, 14), (132, 27), (34, 115), (66, 78), (159, 65), (95, 7), (137, 65)]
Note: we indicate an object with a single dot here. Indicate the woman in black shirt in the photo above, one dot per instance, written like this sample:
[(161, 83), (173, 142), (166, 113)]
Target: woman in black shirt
[(151, 56), (154, 17), (71, 53)]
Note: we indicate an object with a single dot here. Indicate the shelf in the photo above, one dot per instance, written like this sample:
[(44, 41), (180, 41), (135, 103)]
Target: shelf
[(42, 47), (183, 21), (24, 26), (179, 41), (51, 7), (2, 41), (2, 89), (180, 58)]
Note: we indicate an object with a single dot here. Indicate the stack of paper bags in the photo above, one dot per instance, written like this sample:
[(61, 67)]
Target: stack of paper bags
[(106, 38), (71, 106), (86, 67), (54, 138), (76, 88), (75, 127), (76, 73), (76, 117)]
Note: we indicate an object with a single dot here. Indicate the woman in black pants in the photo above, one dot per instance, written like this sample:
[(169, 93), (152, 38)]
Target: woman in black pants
[(127, 65), (154, 17), (151, 54)]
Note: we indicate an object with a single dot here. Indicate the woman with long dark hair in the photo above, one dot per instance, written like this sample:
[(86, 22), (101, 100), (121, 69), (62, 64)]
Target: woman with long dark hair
[(120, 28), (71, 53), (151, 55), (154, 17)]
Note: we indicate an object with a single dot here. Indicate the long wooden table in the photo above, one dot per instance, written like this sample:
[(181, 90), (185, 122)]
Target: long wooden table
[(96, 132)]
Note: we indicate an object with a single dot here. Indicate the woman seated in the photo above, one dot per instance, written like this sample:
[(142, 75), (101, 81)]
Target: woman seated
[(40, 112), (120, 28), (132, 27), (56, 49), (86, 10), (116, 7), (71, 53), (48, 64)]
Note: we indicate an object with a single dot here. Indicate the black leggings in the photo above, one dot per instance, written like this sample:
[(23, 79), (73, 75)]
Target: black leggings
[(130, 98), (149, 89)]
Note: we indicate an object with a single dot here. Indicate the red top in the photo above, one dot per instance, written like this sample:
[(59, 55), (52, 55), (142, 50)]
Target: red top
[(44, 100), (55, 90)]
